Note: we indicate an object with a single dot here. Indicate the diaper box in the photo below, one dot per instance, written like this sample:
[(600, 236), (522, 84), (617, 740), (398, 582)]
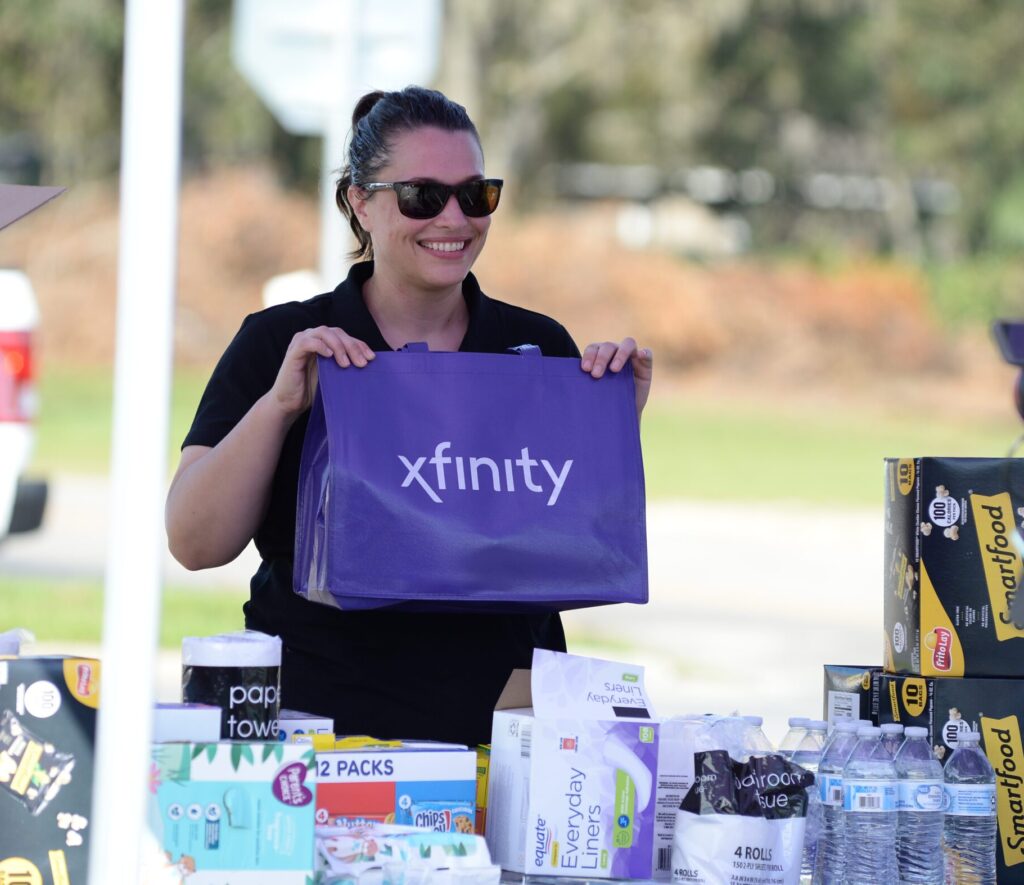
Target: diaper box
[(419, 783), (48, 709), (573, 771), (233, 812), (953, 565), (994, 708)]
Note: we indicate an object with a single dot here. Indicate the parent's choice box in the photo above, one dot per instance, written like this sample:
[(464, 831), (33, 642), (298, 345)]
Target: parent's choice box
[(573, 771)]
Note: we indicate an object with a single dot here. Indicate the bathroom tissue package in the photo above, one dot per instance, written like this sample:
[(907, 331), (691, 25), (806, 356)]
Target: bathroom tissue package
[(230, 811), (573, 773)]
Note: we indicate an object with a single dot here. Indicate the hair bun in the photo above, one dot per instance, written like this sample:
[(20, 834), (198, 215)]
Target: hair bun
[(365, 105)]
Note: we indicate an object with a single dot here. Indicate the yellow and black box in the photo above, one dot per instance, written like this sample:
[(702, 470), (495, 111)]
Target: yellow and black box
[(851, 692), (949, 707), (953, 566), (48, 709)]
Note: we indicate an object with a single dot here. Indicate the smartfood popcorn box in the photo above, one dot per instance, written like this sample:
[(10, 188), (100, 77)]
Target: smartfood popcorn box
[(851, 692), (574, 764), (951, 707), (232, 812), (47, 736), (952, 566)]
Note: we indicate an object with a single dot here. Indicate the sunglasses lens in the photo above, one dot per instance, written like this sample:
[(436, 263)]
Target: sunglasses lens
[(479, 198), (424, 200)]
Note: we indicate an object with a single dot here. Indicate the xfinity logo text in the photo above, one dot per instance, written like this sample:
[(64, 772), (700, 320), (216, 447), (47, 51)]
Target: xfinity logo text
[(471, 471)]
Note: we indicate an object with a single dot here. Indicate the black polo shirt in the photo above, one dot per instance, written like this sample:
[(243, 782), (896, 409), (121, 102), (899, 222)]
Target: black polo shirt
[(385, 673)]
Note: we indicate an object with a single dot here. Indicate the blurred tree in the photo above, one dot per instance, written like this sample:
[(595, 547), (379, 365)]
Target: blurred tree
[(954, 83)]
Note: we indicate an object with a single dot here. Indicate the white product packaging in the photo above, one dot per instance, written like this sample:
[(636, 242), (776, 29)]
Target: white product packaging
[(292, 722), (194, 723), (573, 771)]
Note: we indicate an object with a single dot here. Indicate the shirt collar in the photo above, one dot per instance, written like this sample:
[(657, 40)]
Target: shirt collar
[(351, 291)]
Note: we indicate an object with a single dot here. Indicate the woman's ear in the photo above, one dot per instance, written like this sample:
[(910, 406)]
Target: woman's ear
[(357, 199)]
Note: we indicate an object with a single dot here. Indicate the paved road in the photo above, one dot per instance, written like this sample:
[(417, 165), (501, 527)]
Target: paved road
[(748, 601)]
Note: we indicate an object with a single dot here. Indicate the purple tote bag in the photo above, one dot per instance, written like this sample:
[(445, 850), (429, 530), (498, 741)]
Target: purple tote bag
[(469, 482)]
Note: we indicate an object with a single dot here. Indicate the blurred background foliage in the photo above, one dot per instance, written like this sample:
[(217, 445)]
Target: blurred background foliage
[(866, 141)]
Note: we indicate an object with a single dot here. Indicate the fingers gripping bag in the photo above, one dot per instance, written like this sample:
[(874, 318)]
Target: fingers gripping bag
[(741, 823)]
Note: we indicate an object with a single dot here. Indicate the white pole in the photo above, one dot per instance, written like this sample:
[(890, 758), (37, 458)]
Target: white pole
[(150, 148), (335, 238)]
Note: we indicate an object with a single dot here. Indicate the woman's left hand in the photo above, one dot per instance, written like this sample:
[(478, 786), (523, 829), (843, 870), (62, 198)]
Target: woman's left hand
[(609, 356)]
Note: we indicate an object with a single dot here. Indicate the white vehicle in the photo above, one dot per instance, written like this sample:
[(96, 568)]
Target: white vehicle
[(22, 501)]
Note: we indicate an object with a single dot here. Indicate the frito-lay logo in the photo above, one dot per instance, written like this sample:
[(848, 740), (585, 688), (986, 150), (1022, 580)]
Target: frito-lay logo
[(915, 696), (1006, 754), (994, 518), (940, 641), (82, 678), (905, 474)]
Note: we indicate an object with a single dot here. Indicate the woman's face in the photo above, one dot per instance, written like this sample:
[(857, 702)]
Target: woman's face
[(432, 253)]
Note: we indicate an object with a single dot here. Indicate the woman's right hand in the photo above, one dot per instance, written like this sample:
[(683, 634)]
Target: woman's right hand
[(296, 379)]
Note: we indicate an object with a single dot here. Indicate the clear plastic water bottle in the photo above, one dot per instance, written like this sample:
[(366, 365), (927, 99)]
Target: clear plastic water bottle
[(831, 854), (919, 804), (756, 742), (792, 738), (892, 737), (869, 812), (808, 755), (969, 832)]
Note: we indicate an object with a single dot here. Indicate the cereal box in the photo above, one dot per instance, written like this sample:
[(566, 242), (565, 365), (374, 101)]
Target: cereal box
[(47, 732), (953, 566), (234, 812), (948, 708)]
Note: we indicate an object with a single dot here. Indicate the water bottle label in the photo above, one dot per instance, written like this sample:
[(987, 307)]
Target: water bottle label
[(920, 796), (830, 789), (971, 800), (869, 796)]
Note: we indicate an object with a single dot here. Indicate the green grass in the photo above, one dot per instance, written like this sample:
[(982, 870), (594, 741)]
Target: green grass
[(72, 610)]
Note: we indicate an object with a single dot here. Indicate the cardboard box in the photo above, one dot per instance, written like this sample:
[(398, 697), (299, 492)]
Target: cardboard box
[(993, 707), (419, 784), (851, 692), (191, 723), (292, 722), (47, 739), (483, 768), (574, 753), (951, 566), (234, 812)]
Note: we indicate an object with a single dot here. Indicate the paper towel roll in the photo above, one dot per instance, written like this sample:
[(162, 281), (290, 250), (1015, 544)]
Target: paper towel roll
[(241, 674)]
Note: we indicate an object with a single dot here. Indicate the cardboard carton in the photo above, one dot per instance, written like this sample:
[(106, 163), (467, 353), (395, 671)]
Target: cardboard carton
[(414, 783), (47, 739), (851, 692), (292, 722), (994, 708), (573, 771), (952, 566)]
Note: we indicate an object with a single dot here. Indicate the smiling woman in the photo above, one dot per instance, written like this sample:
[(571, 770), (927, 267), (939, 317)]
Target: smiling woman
[(414, 193)]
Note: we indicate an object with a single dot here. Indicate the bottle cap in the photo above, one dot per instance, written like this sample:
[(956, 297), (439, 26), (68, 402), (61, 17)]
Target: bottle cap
[(816, 725), (754, 720), (850, 725), (866, 731), (915, 731), (892, 728), (798, 721)]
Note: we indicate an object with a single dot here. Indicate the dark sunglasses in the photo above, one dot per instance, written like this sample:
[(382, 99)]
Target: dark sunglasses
[(427, 199)]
